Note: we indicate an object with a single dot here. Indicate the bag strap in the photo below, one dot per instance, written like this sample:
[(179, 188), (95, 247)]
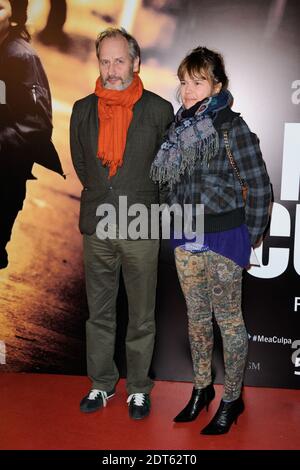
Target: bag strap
[(232, 160)]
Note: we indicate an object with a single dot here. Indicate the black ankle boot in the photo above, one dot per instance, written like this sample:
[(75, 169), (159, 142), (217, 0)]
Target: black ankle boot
[(199, 399), (227, 413)]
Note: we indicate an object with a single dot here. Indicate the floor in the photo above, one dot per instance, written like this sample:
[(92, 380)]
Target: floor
[(41, 412)]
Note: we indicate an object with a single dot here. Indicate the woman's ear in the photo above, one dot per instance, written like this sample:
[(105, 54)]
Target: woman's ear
[(217, 88)]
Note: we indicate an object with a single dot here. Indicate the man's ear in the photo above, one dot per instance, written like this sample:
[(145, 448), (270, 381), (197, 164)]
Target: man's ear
[(136, 64)]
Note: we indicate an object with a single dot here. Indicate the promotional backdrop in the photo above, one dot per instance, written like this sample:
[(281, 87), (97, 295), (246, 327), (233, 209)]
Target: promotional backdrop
[(42, 296)]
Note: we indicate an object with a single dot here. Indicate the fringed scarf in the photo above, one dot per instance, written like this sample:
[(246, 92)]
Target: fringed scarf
[(189, 140)]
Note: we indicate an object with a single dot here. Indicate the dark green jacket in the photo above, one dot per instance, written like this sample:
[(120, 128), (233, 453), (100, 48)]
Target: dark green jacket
[(151, 117)]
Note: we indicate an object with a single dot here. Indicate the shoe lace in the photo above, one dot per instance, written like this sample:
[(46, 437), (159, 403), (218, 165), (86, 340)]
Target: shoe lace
[(95, 393), (138, 398)]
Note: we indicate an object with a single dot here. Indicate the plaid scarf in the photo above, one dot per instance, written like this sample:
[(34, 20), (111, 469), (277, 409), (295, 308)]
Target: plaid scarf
[(189, 140)]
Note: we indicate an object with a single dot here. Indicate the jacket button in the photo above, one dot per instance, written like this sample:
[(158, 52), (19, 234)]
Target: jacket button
[(110, 187)]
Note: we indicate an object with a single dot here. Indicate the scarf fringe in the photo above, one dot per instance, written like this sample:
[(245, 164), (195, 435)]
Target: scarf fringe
[(171, 172), (189, 141)]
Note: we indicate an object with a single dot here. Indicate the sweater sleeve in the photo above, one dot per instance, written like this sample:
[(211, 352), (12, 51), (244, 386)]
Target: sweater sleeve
[(252, 168)]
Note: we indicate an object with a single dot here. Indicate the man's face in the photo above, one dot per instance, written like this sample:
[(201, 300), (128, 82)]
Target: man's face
[(115, 64), (5, 14)]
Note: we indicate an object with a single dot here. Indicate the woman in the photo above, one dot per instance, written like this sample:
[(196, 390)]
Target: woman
[(195, 165), (25, 116)]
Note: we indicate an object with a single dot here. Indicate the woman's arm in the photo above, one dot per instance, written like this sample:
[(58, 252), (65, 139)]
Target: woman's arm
[(247, 153)]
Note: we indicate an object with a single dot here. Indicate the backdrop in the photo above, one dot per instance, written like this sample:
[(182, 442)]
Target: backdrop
[(42, 296)]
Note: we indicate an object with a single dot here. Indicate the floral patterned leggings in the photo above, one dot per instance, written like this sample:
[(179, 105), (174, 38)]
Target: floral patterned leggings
[(212, 283)]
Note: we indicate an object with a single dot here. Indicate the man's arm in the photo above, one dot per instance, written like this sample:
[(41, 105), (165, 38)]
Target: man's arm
[(26, 118), (166, 119), (77, 152)]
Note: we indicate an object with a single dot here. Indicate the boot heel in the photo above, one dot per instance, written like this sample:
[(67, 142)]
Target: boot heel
[(199, 400), (227, 414), (208, 404), (210, 398), (237, 417)]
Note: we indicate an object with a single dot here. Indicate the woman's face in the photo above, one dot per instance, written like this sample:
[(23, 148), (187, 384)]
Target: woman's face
[(5, 14), (196, 88)]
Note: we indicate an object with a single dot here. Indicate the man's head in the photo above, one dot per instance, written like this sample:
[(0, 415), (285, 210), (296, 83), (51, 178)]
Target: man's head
[(19, 11), (119, 57), (5, 15), (13, 17)]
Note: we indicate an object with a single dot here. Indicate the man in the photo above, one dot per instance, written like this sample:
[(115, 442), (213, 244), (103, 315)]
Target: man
[(115, 134), (53, 33), (25, 117)]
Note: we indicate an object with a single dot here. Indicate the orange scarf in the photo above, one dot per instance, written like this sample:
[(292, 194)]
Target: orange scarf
[(115, 115)]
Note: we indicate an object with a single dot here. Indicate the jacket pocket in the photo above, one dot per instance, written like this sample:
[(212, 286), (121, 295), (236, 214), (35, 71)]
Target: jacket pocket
[(219, 192)]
